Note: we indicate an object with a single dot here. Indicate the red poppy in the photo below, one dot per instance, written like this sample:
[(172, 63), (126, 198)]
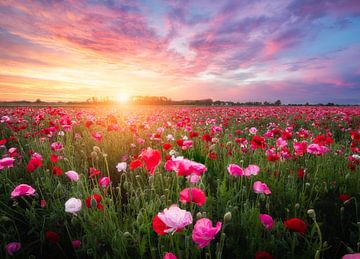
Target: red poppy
[(52, 237), (206, 137), (159, 226), (167, 146), (94, 201), (3, 141), (135, 164), (257, 142), (152, 159), (344, 197), (93, 171), (54, 158), (33, 164), (193, 134), (296, 225), (301, 173), (56, 170), (262, 255), (180, 142)]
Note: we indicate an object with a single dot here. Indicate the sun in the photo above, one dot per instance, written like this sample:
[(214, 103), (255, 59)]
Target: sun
[(122, 97)]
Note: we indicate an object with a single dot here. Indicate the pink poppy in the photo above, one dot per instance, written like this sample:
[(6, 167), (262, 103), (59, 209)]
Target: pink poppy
[(251, 170), (22, 190), (175, 218), (235, 170), (204, 232), (184, 167), (195, 195), (72, 175), (266, 220), (260, 187), (169, 256), (104, 181), (6, 163)]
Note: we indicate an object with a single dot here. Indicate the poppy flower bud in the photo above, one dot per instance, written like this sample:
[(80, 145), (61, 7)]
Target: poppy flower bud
[(198, 215), (96, 149), (311, 213), (94, 155), (227, 217)]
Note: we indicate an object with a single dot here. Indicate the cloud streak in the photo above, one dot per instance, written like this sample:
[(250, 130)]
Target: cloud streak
[(230, 50)]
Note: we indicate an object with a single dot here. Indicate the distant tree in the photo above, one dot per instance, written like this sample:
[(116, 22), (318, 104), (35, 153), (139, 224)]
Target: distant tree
[(277, 103), (38, 100)]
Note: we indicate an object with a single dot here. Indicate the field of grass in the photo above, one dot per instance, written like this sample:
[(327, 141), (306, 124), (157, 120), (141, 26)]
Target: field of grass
[(197, 182)]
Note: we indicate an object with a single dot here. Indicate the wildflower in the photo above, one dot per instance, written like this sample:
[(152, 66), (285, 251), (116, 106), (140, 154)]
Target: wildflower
[(22, 190), (260, 187), (169, 256), (195, 195), (94, 201), (262, 255), (72, 175), (33, 164), (204, 232), (251, 170), (12, 248), (56, 146), (6, 163), (135, 164), (152, 159), (121, 166), (235, 170), (296, 225), (52, 237), (174, 219), (104, 181), (76, 244), (73, 205), (266, 220), (56, 170)]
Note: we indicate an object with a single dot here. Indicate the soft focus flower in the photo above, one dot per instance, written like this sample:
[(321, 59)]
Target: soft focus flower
[(72, 175), (253, 130), (193, 195), (262, 255), (52, 237), (235, 170), (193, 178), (121, 166), (94, 201), (56, 146), (6, 163), (12, 248), (296, 225), (204, 232), (42, 203), (152, 159), (184, 167), (22, 190), (104, 181), (251, 170), (135, 164), (76, 244), (73, 205), (169, 256), (33, 164), (266, 220), (56, 170), (175, 218), (260, 187), (316, 149)]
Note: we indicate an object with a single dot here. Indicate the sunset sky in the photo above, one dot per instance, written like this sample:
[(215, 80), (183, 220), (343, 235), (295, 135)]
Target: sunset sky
[(293, 50)]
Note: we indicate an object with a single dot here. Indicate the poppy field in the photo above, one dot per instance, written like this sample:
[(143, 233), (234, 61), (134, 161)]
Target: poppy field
[(180, 182)]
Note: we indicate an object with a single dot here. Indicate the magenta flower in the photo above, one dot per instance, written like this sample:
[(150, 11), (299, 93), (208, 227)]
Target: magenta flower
[(6, 163), (260, 187), (184, 167), (72, 175), (175, 218), (194, 194), (12, 248), (22, 190), (169, 256), (316, 149), (235, 170), (76, 244), (104, 181), (56, 146), (204, 232), (266, 220)]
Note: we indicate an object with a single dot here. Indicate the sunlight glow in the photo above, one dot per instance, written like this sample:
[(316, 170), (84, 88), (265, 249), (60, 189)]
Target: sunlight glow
[(122, 97)]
